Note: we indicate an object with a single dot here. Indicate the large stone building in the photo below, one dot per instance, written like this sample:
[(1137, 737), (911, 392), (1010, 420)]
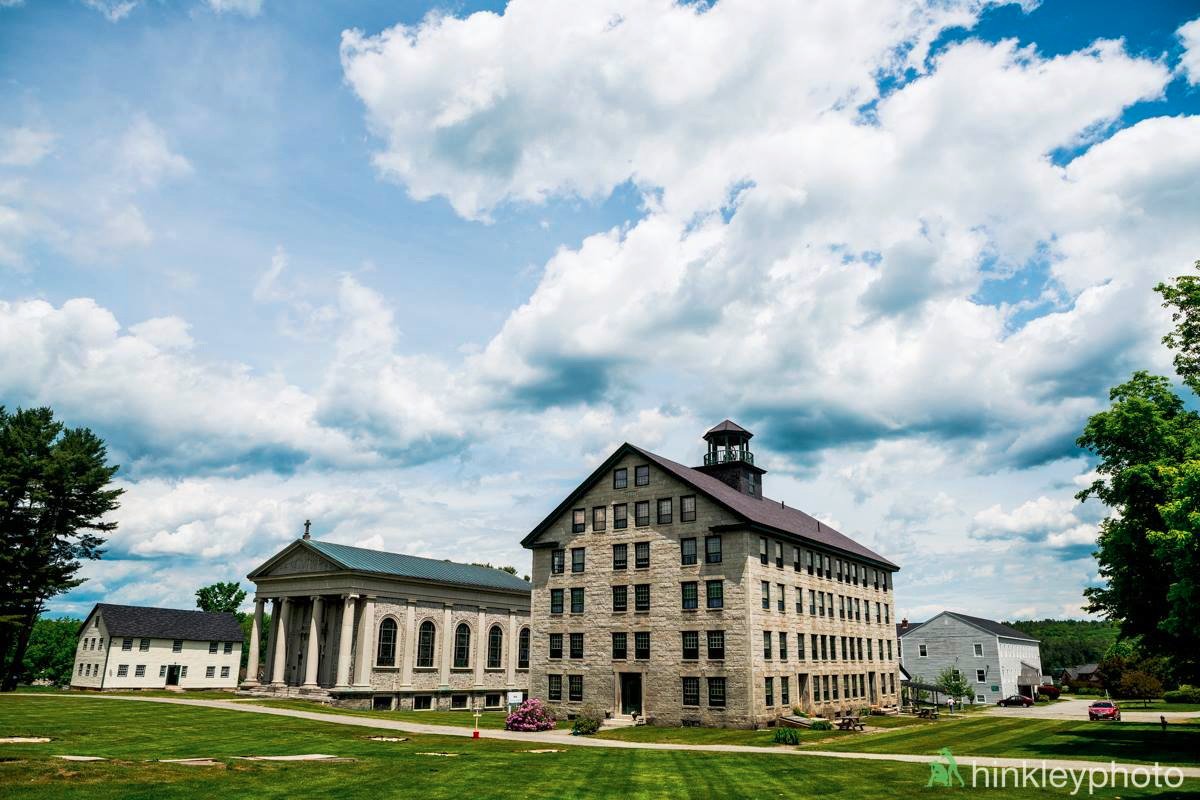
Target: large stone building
[(997, 660), (686, 596), (367, 628), (135, 647)]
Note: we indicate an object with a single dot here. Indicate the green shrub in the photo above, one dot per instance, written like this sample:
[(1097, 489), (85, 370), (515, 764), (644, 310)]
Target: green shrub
[(798, 711), (1184, 694), (822, 725), (588, 721), (786, 736)]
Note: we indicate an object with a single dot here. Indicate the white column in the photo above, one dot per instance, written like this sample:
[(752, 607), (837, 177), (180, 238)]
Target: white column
[(253, 657), (510, 677), (409, 644), (365, 655), (313, 656), (344, 642), (272, 635), (481, 648), (280, 658), (447, 645)]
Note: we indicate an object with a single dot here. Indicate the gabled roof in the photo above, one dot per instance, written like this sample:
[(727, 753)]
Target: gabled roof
[(990, 626), (381, 562), (764, 512), (902, 630), (1081, 669), (167, 623)]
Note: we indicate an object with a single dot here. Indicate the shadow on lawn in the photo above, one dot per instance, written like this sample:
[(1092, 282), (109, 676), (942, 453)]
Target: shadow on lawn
[(1122, 742)]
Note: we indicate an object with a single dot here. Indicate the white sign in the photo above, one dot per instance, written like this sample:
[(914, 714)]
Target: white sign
[(514, 698)]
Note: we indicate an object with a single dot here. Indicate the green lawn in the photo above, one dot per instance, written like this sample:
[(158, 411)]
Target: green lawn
[(460, 719), (759, 738), (1157, 705), (134, 734), (1040, 738)]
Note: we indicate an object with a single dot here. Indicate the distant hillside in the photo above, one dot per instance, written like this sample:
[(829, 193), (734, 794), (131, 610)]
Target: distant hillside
[(1067, 642)]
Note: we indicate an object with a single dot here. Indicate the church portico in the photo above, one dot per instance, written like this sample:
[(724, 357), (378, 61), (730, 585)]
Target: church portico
[(366, 628)]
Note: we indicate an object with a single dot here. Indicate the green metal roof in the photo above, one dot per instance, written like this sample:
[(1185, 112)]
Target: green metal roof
[(361, 559)]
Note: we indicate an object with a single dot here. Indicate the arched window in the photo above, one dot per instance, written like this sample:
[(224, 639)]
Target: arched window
[(523, 649), (495, 645), (425, 644), (386, 656), (462, 646)]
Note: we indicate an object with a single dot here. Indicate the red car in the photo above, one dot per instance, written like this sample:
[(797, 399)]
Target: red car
[(1016, 700), (1104, 709)]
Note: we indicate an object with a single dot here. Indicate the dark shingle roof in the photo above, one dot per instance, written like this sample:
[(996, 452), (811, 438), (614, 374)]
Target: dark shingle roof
[(764, 511), (912, 626), (728, 425), (991, 626), (169, 623), (361, 559)]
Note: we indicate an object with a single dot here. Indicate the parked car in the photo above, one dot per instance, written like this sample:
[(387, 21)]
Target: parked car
[(1016, 700), (1104, 709)]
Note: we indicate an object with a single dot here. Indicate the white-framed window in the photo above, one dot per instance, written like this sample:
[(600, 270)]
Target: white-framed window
[(922, 651), (127, 644), (980, 676), (210, 672), (144, 645), (122, 670), (980, 698), (162, 671), (183, 672), (139, 671), (228, 648), (224, 672), (177, 646), (978, 650), (212, 648)]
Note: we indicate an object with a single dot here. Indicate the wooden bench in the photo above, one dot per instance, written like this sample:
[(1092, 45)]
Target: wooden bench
[(850, 724), (927, 713)]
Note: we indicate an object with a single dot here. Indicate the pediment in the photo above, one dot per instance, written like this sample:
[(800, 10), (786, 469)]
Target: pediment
[(299, 562)]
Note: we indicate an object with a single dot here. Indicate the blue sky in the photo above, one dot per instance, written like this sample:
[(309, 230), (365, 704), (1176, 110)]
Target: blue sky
[(411, 270)]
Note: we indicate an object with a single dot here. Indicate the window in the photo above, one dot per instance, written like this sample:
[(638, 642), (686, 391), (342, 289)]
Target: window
[(576, 650), (641, 555), (839, 571), (224, 672), (212, 648), (808, 558), (423, 702), (641, 513), (691, 645), (557, 562), (556, 645), (458, 701), (688, 595), (887, 614), (779, 601), (687, 552), (210, 672), (575, 688), (799, 600), (578, 520), (800, 646), (620, 516), (162, 671), (716, 692), (386, 652), (922, 651), (577, 600), (687, 508), (139, 671), (764, 555), (712, 549), (779, 555), (716, 645), (144, 645), (714, 593), (870, 654), (978, 650), (980, 698), (641, 475), (621, 478), (821, 605), (812, 602), (577, 556), (620, 556), (127, 644), (491, 700), (889, 644), (183, 672), (554, 687), (641, 645), (664, 511), (177, 646), (462, 646), (425, 635), (769, 690), (980, 676), (620, 598), (767, 644), (122, 670), (556, 601), (641, 597), (523, 649), (783, 646), (599, 518), (828, 567), (834, 681), (495, 647), (785, 696), (228, 647), (766, 595), (620, 646), (691, 691)]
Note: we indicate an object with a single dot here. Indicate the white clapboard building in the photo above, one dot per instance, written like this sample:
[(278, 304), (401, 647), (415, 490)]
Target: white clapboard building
[(132, 647)]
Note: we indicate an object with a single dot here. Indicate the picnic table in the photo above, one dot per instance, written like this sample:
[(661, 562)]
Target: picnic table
[(850, 724), (927, 713)]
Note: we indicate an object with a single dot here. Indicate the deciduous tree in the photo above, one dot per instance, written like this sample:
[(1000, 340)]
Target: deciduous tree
[(220, 596)]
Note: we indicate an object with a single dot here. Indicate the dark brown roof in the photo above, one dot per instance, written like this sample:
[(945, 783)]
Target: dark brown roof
[(728, 425), (168, 623), (764, 512)]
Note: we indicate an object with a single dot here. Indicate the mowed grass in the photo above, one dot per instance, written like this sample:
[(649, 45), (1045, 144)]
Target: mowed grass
[(1014, 737), (488, 720), (132, 733)]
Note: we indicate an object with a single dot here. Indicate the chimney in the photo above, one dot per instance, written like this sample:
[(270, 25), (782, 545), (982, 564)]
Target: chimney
[(904, 624), (307, 528)]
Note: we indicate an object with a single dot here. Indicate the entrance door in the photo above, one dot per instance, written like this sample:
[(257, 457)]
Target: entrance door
[(631, 693), (173, 675)]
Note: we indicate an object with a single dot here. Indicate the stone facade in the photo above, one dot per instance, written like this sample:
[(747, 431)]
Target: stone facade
[(610, 682)]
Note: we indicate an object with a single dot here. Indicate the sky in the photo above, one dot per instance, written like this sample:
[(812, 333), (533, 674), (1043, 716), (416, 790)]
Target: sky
[(412, 270)]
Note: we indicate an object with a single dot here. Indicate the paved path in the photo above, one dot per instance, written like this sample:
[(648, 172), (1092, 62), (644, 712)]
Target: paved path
[(558, 738), (1076, 709)]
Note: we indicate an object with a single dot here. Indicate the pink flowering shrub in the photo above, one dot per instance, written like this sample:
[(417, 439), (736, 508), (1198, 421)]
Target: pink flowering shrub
[(532, 715)]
